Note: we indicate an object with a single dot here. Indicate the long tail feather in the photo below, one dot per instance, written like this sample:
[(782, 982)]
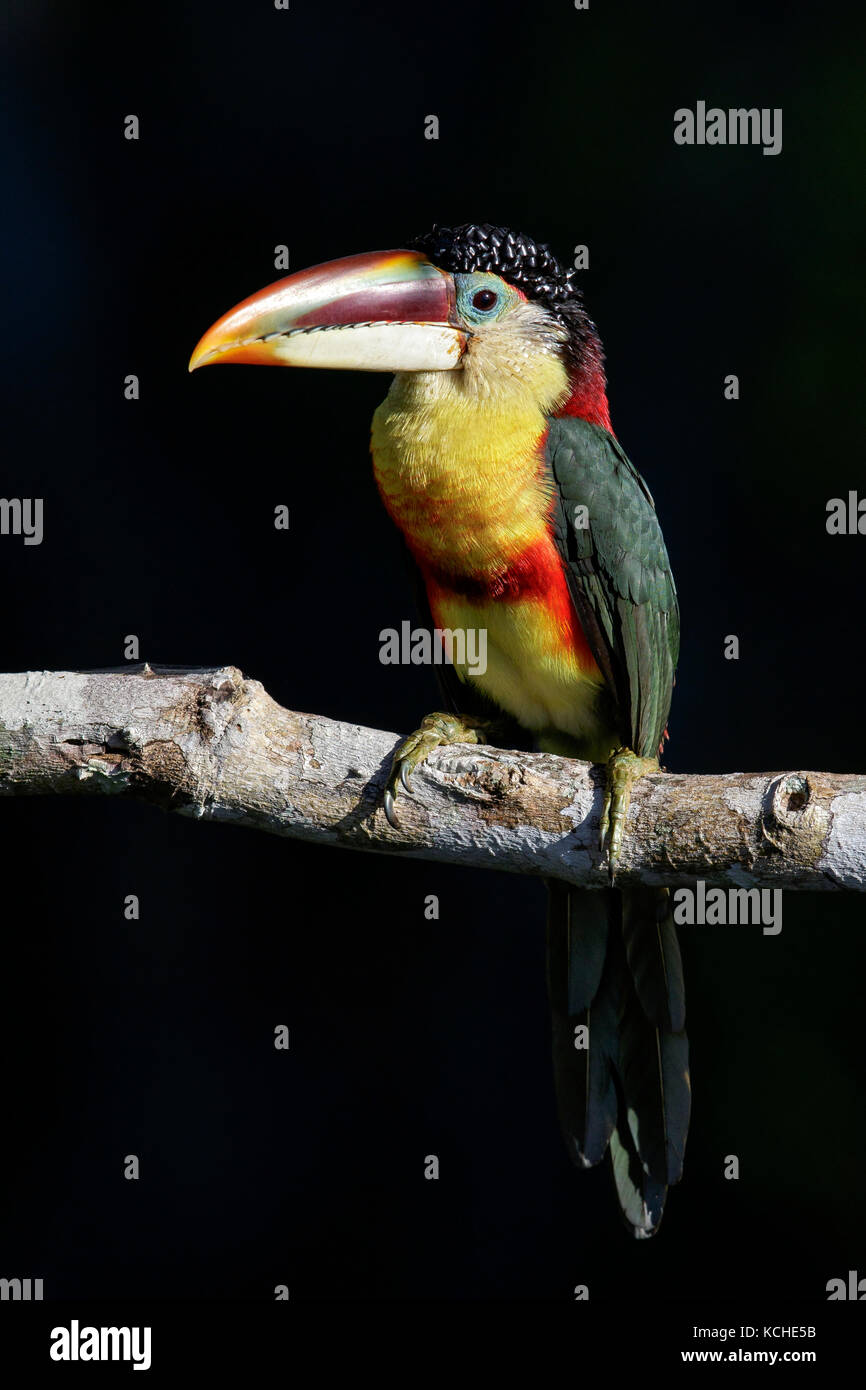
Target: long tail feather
[(614, 967), (584, 1014), (641, 1198), (654, 1074), (653, 955)]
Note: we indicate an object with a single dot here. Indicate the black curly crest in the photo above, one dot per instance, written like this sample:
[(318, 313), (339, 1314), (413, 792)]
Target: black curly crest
[(533, 268), (529, 265)]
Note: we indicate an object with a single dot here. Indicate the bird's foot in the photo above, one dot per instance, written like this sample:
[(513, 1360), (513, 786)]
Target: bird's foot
[(436, 730), (624, 768)]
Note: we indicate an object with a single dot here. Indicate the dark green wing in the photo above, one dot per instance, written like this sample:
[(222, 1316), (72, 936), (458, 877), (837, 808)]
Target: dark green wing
[(618, 573), (632, 1088)]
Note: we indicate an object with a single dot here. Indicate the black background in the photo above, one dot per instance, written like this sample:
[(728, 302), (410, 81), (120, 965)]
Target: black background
[(410, 1037)]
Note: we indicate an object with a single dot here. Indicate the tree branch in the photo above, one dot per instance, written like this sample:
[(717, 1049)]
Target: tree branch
[(210, 744)]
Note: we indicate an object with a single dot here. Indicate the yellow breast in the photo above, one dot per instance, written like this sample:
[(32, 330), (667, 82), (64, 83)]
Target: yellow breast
[(462, 475)]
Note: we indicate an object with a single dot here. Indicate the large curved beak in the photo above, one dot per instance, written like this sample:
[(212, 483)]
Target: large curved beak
[(386, 311)]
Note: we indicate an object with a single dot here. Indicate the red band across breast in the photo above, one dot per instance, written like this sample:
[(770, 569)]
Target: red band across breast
[(535, 574)]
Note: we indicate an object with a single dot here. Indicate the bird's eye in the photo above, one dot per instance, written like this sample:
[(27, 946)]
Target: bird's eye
[(484, 299)]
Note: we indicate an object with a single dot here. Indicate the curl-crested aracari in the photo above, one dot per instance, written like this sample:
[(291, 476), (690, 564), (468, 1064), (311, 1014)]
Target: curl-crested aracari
[(494, 454)]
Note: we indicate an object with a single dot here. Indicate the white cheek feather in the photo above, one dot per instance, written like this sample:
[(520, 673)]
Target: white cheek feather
[(517, 351)]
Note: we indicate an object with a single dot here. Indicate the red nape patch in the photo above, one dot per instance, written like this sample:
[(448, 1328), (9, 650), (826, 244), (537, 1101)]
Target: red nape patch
[(536, 573), (588, 399)]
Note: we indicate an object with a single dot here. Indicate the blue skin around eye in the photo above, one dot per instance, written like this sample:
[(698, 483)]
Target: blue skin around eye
[(469, 285)]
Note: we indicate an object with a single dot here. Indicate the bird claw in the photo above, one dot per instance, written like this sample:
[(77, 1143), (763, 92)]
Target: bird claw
[(603, 824), (624, 768), (390, 811), (436, 730)]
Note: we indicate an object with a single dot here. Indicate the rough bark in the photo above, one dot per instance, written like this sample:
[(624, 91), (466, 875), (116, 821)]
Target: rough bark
[(213, 745)]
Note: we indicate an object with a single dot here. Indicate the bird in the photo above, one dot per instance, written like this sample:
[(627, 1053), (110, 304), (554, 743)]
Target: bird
[(523, 517)]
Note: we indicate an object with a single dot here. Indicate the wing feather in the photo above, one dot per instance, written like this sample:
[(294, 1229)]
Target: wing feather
[(618, 573)]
